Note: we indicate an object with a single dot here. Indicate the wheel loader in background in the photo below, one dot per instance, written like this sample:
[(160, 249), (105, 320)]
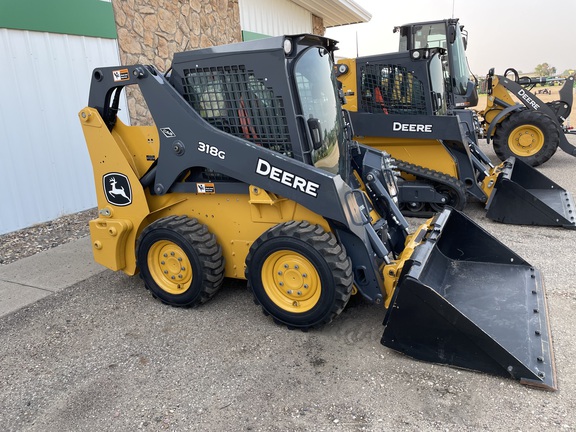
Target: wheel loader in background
[(397, 103), (522, 126), (249, 172)]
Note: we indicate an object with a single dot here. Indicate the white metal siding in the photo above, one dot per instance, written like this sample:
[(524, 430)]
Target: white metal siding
[(274, 17), (44, 164)]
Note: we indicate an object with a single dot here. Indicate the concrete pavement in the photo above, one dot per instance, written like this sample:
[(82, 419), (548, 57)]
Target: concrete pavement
[(27, 280)]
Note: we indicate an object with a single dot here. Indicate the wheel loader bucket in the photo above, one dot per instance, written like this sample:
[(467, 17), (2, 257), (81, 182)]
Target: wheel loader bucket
[(466, 300), (524, 196)]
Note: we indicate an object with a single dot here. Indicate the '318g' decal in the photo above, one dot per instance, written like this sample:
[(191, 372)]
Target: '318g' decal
[(211, 150)]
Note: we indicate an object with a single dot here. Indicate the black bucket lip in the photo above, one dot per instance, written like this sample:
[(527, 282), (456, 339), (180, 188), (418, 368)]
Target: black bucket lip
[(537, 369)]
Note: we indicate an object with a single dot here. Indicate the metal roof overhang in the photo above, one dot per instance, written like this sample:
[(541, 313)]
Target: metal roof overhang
[(336, 12)]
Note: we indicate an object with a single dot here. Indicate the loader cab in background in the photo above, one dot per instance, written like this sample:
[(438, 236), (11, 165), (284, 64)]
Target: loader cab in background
[(452, 37)]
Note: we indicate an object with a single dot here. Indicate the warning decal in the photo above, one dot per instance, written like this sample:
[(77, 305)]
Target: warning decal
[(121, 75), (205, 188)]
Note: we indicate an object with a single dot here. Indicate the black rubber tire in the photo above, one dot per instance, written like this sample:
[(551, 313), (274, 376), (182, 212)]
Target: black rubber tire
[(531, 119), (196, 245), (332, 266)]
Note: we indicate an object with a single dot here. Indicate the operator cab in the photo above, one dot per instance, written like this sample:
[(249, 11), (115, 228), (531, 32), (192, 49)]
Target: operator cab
[(452, 37)]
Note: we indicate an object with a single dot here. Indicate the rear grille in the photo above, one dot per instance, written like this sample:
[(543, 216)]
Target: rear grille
[(391, 89), (232, 99)]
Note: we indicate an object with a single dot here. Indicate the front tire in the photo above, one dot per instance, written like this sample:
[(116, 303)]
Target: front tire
[(527, 135), (180, 261), (299, 274)]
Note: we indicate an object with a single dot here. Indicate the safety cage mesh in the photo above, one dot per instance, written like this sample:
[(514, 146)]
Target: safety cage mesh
[(232, 99), (391, 89)]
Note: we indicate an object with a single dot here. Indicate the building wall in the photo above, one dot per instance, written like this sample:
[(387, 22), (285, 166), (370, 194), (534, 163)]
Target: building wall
[(151, 31), (47, 61), (274, 17), (260, 18), (318, 25)]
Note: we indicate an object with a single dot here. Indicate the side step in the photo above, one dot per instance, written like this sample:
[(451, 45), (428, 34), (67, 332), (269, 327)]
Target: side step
[(524, 196), (466, 300)]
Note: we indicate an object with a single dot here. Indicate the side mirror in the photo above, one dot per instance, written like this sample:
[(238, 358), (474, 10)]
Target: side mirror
[(341, 94), (316, 132), (464, 37), (451, 34), (436, 101)]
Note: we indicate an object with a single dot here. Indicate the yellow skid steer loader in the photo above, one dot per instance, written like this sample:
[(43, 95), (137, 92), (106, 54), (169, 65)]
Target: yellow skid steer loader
[(249, 172)]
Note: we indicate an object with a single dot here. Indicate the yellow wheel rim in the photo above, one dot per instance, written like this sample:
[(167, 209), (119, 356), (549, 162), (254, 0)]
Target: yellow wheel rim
[(170, 267), (291, 281), (526, 140)]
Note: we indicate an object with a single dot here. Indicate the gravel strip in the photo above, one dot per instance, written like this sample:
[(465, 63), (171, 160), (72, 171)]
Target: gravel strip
[(37, 238)]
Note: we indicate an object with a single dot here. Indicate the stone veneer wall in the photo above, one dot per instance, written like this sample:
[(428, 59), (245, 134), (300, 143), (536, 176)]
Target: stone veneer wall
[(318, 25), (151, 31)]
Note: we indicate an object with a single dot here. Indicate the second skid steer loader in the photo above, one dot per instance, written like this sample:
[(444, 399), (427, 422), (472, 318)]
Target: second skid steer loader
[(397, 103), (249, 172)]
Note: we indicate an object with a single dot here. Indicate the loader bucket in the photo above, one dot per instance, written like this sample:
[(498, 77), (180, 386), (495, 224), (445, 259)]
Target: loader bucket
[(524, 196), (466, 300)]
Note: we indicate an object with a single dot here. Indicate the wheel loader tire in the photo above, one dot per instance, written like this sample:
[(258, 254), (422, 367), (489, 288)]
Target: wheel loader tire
[(180, 261), (527, 135), (299, 274)]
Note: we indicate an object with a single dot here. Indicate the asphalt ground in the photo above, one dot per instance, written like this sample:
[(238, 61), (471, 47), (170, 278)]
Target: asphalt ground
[(87, 349)]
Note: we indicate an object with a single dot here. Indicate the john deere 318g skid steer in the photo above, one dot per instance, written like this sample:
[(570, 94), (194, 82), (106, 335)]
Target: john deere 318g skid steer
[(249, 172)]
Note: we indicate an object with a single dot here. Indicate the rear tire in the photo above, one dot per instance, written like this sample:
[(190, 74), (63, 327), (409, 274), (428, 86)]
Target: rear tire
[(299, 274), (527, 135), (180, 261)]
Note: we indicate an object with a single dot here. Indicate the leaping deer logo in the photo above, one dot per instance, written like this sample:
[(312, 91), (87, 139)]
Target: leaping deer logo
[(116, 191)]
